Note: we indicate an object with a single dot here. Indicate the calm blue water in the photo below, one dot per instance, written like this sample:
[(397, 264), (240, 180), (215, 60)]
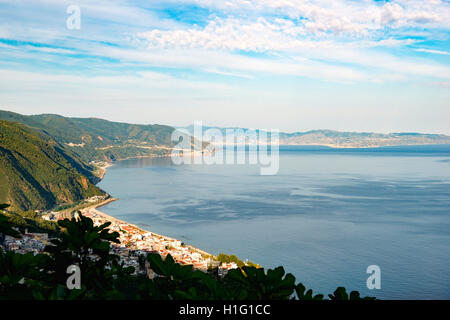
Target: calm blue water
[(325, 217)]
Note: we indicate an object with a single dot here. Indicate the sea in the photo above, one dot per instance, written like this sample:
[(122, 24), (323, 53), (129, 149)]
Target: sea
[(326, 216)]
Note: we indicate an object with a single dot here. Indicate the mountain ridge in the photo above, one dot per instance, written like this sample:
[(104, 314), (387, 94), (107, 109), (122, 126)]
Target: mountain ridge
[(94, 139), (346, 139)]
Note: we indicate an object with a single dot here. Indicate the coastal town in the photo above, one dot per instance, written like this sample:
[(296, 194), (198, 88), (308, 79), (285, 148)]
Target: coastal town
[(134, 242)]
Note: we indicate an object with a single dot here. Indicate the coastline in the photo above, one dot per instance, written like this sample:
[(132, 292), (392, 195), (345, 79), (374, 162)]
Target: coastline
[(95, 209)]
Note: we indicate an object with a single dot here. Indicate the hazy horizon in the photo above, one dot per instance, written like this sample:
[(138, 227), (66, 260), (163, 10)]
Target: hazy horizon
[(219, 126)]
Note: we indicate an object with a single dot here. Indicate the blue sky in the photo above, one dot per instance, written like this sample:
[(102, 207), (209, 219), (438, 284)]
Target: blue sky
[(293, 65)]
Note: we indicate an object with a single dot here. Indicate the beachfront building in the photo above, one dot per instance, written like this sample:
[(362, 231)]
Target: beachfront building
[(134, 242)]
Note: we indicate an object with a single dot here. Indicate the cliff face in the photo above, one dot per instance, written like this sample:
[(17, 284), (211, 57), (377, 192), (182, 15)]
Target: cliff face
[(38, 173)]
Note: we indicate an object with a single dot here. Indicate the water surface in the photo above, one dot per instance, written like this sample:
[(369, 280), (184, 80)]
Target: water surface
[(326, 216)]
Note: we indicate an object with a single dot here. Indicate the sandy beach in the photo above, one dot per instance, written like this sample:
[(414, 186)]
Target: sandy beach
[(94, 209)]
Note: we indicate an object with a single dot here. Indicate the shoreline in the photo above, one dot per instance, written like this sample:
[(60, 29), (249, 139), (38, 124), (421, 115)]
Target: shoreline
[(112, 219), (95, 208), (103, 166)]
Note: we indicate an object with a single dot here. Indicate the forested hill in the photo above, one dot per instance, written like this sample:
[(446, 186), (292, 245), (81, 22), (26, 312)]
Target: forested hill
[(96, 139), (37, 172)]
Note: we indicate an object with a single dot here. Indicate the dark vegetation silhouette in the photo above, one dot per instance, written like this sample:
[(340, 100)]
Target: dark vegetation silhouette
[(103, 276)]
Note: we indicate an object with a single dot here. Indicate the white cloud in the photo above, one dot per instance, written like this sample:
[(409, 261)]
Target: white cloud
[(311, 38), (258, 25), (259, 36), (433, 51), (6, 46), (345, 17), (49, 50), (342, 41), (142, 80), (229, 34), (214, 60), (442, 84)]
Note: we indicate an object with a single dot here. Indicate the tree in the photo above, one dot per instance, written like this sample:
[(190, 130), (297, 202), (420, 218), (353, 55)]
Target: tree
[(87, 246), (6, 227)]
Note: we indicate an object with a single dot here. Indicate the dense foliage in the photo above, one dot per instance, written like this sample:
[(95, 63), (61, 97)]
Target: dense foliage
[(96, 139), (6, 226), (36, 173), (30, 221), (103, 276), (222, 257)]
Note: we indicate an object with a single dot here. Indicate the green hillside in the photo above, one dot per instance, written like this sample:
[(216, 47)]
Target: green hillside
[(36, 172), (96, 139)]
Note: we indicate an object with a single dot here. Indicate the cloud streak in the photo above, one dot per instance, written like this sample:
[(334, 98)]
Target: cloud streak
[(433, 51)]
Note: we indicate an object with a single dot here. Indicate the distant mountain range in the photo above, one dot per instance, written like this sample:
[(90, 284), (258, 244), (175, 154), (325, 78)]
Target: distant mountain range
[(337, 139)]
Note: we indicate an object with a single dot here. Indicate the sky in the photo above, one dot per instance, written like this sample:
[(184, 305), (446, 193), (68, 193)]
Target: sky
[(292, 65)]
